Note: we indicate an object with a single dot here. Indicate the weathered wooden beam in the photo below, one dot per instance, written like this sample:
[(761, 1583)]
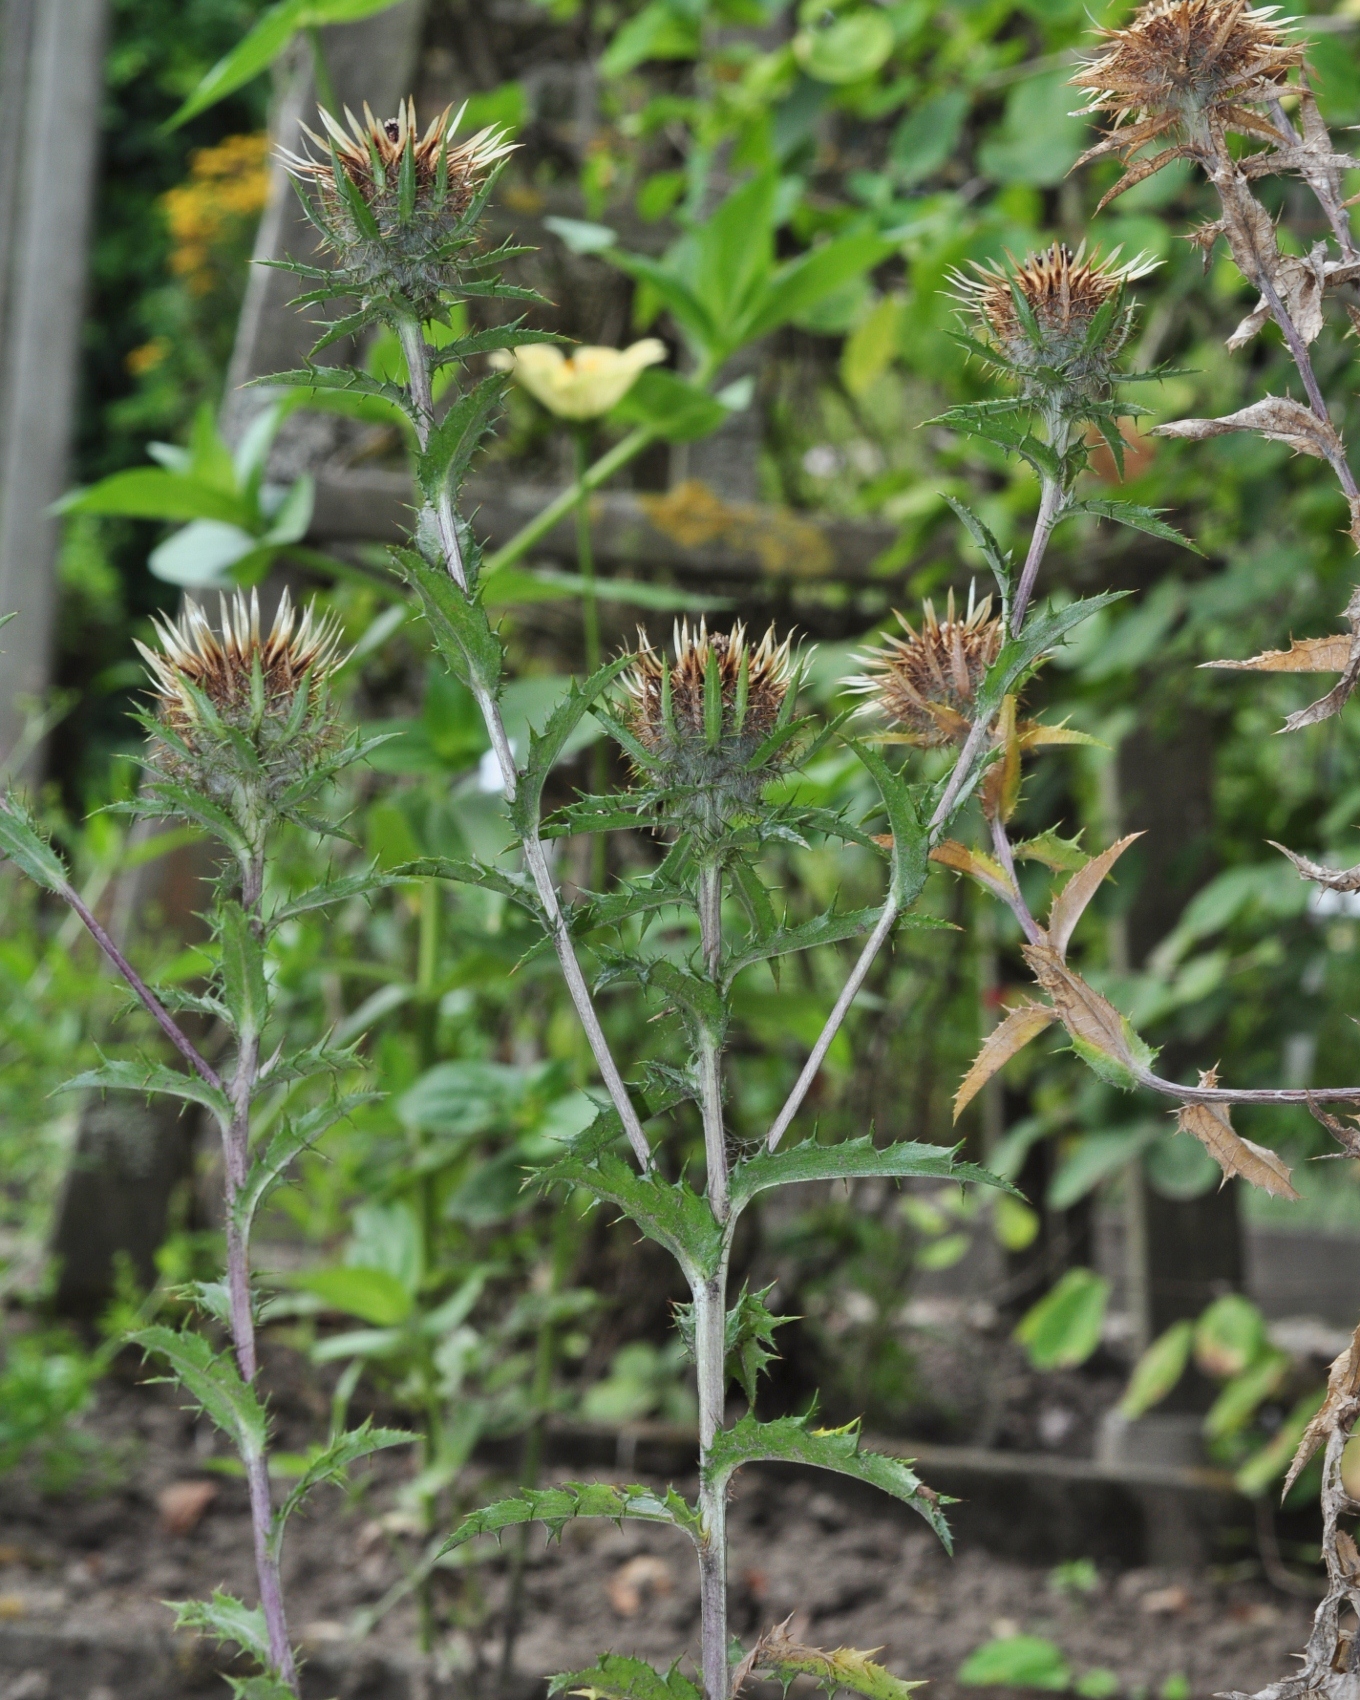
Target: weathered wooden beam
[(689, 531), (53, 59)]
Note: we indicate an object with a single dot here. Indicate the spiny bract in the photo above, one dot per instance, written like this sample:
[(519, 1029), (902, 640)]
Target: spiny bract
[(1041, 317), (237, 707), (923, 686), (391, 202), (703, 718), (1188, 69)]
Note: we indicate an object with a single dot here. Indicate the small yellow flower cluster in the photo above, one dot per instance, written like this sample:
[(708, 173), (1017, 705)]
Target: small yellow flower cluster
[(225, 191)]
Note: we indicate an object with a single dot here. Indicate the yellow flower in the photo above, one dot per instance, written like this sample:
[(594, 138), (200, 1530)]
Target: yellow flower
[(586, 383)]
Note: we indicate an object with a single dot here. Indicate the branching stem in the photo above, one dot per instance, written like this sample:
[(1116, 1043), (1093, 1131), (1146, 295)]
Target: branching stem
[(417, 354)]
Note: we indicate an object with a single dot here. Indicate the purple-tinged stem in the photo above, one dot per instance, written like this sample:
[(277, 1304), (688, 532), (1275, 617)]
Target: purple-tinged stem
[(1050, 507)]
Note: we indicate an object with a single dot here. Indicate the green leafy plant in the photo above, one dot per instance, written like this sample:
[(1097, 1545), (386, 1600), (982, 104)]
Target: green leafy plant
[(243, 739)]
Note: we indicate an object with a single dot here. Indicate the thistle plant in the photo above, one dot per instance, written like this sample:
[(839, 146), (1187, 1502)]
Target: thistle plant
[(242, 740)]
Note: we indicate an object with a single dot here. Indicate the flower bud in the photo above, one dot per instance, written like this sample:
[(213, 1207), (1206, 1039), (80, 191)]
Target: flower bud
[(923, 687), (392, 206), (1057, 322), (705, 719), (239, 717)]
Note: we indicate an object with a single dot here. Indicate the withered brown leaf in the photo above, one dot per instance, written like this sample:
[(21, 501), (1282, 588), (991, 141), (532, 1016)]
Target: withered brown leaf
[(1304, 655), (1023, 1023), (1343, 1384), (1335, 879), (1071, 901), (1090, 1019), (1209, 1124), (1276, 417), (977, 865)]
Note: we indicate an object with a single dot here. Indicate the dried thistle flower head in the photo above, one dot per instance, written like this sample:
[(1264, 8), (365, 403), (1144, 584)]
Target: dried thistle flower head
[(390, 201), (238, 712), (704, 717), (1189, 68), (1057, 322), (923, 686)]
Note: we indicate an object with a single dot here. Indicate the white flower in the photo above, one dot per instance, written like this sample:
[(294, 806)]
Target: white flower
[(585, 383)]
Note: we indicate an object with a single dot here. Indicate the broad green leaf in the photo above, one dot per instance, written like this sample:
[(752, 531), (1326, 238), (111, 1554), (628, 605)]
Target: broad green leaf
[(1270, 1463), (793, 1440), (24, 845), (1063, 1328), (1095, 1158), (1016, 1661), (459, 624), (272, 32), (244, 988), (225, 1618), (150, 492), (659, 31), (805, 282), (691, 316), (1158, 1370), (617, 1677), (213, 1381), (671, 407), (332, 1465), (558, 1506), (671, 1213), (1229, 1336), (455, 439), (851, 1159), (846, 49), (910, 840), (373, 1295), (1237, 1404), (296, 1135), (151, 1078)]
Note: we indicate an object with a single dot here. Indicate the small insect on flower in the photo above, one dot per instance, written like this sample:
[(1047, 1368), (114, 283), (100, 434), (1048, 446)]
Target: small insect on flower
[(1057, 322), (585, 383), (237, 709), (391, 203), (1192, 69), (923, 686), (710, 722)]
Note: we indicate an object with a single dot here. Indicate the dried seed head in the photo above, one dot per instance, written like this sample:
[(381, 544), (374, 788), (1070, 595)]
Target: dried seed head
[(704, 716), (390, 201), (923, 686), (1188, 69), (1058, 321), (237, 709)]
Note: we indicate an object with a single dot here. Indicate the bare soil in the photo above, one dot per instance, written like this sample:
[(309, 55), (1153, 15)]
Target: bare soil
[(83, 1576)]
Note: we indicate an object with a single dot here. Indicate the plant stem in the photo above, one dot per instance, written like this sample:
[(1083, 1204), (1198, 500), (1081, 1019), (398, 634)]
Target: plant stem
[(710, 1059), (1050, 511), (236, 1155), (590, 617), (535, 857), (710, 1331)]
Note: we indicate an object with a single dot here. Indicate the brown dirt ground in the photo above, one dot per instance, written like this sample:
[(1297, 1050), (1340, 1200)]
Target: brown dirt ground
[(83, 1575)]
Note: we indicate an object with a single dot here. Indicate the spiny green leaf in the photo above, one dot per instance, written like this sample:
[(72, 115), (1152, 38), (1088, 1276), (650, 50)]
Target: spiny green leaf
[(558, 1506), (794, 1440), (26, 846), (1137, 518), (698, 1001), (785, 941), (244, 988), (617, 1677), (852, 1159), (459, 623), (846, 1667), (516, 887), (546, 747), (225, 1618), (911, 844), (338, 890), (1063, 855), (332, 1465), (455, 439), (671, 1213), (297, 1135), (213, 1381), (151, 1078), (1045, 628), (749, 1337)]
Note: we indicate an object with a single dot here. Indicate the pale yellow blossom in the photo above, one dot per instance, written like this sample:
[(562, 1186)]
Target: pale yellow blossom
[(585, 383)]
